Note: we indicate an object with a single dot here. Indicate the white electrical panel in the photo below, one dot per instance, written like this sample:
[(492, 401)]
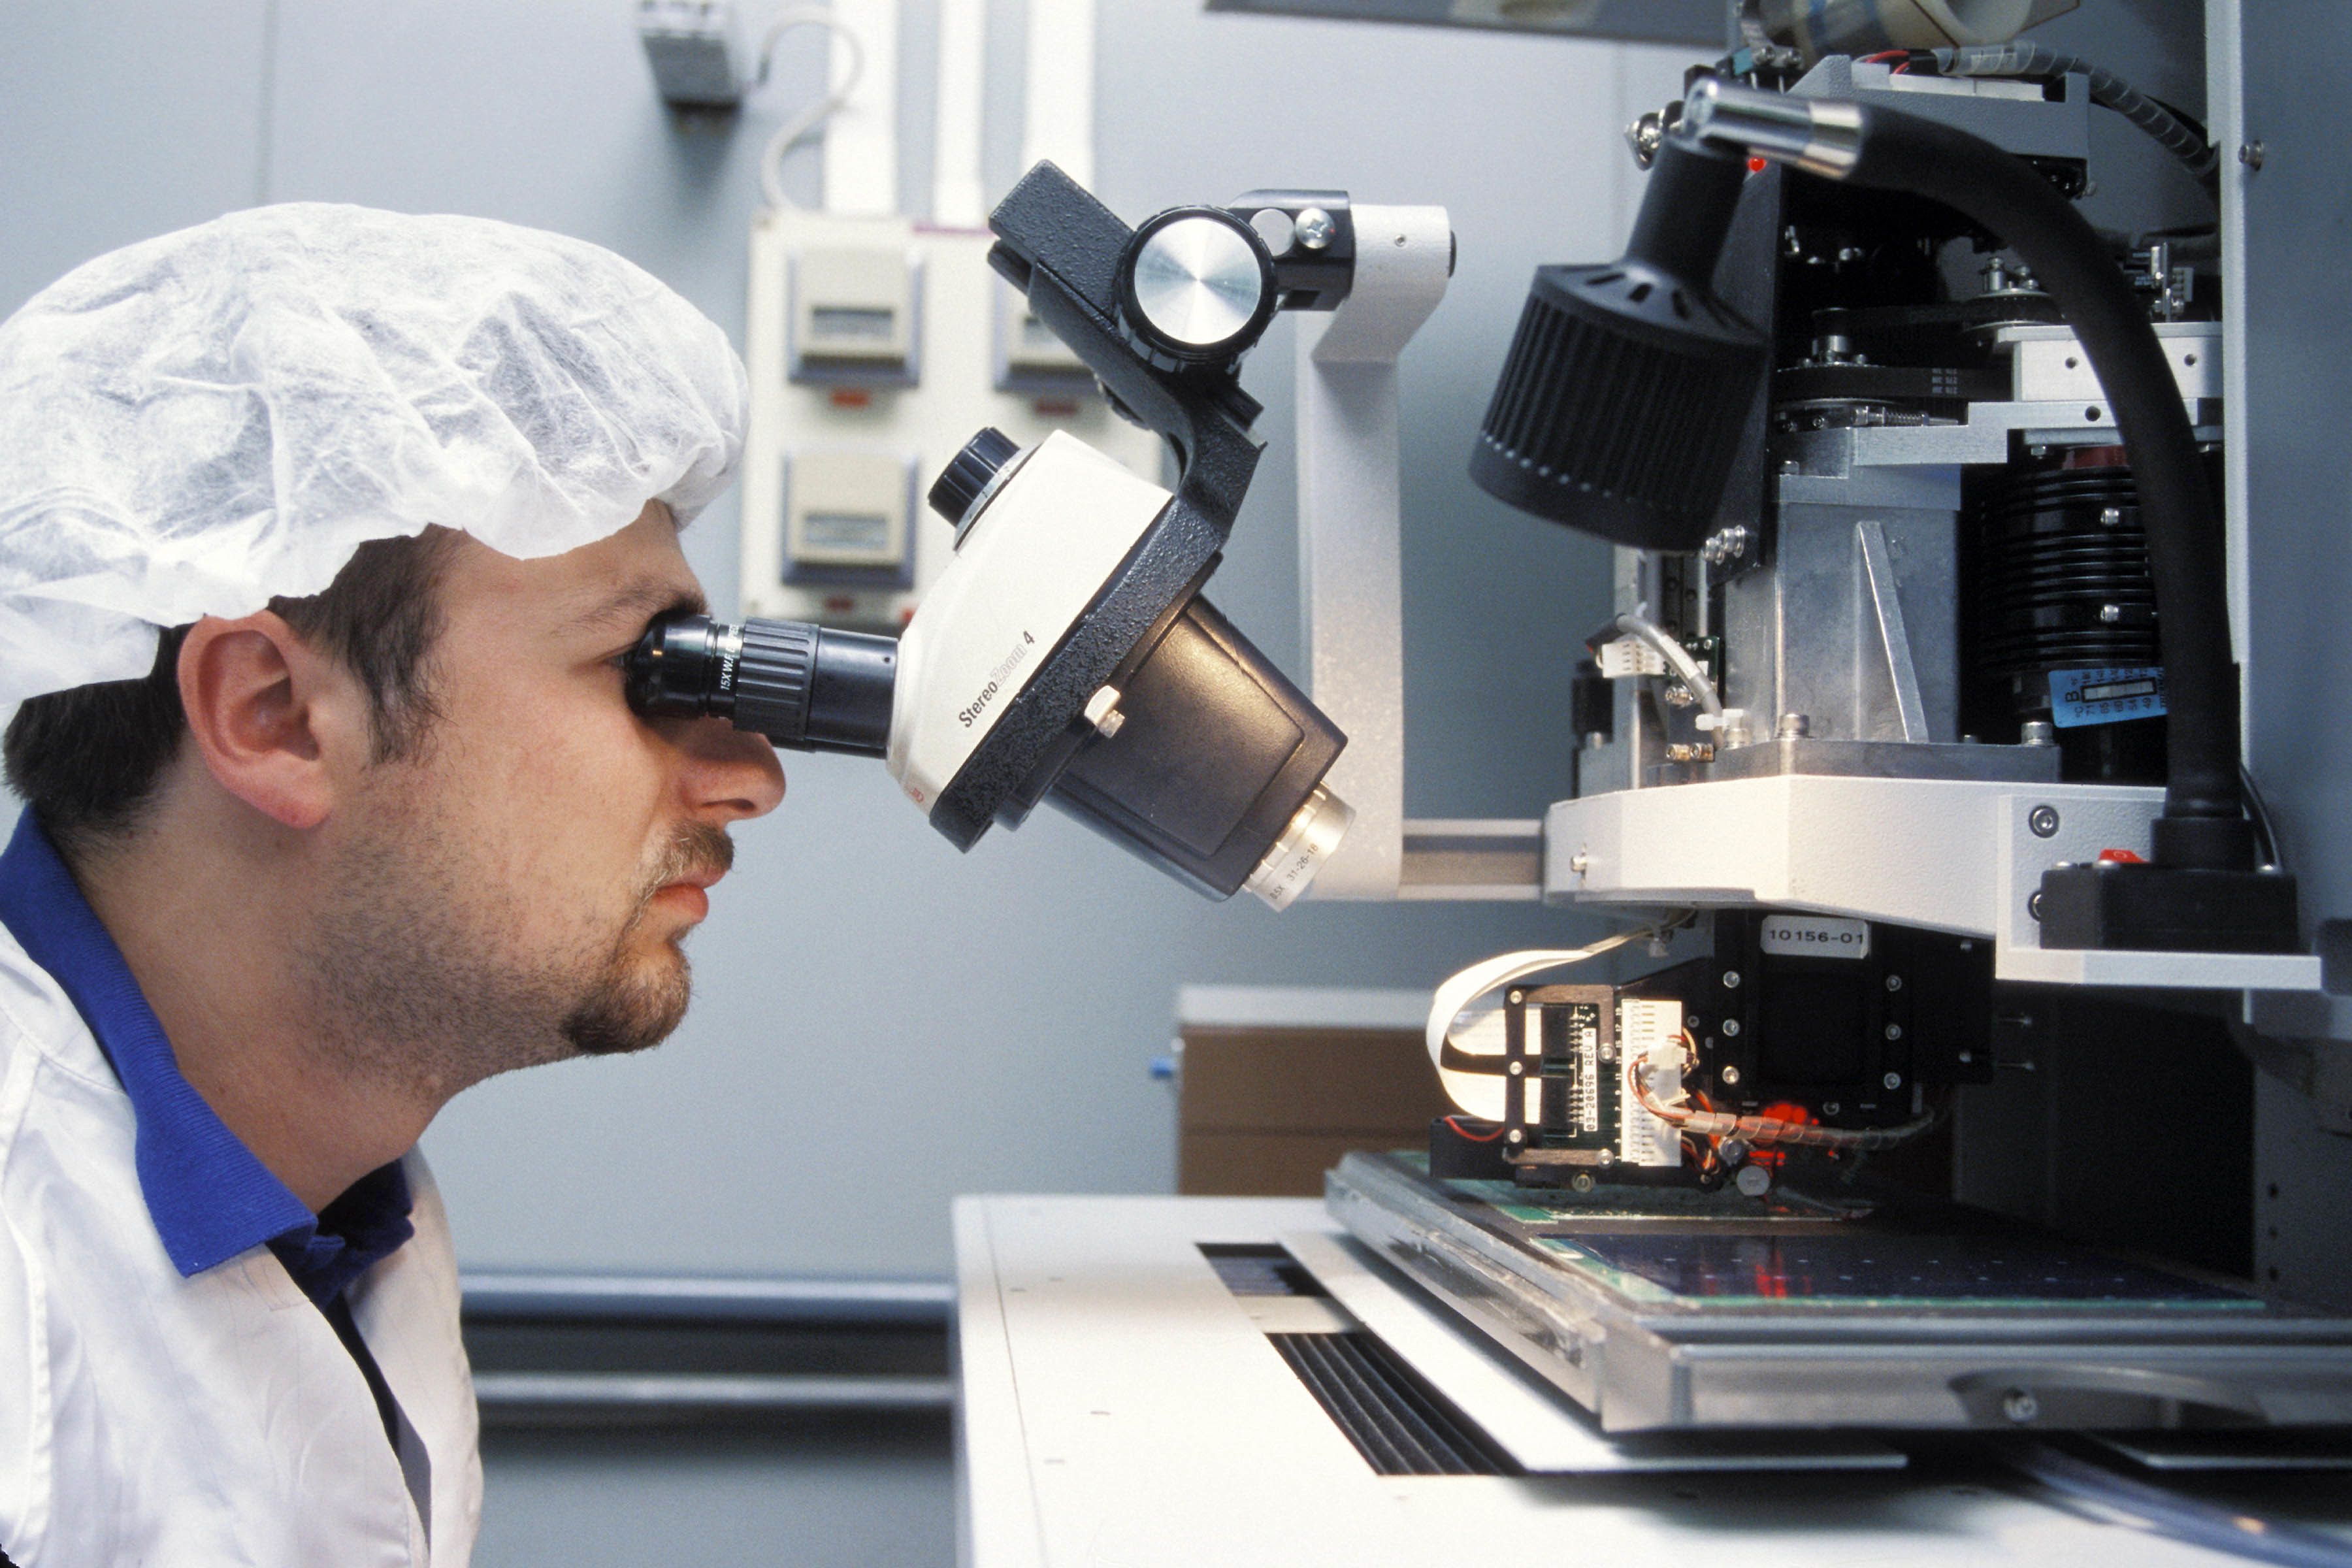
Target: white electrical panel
[(877, 350)]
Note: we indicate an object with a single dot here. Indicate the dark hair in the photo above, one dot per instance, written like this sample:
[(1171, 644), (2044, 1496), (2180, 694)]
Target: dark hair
[(88, 761)]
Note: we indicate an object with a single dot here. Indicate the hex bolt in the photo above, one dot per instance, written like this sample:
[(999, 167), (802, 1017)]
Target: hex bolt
[(1893, 1032), (2020, 1407), (1730, 1076), (2043, 821), (1731, 1025), (1894, 982), (1892, 1081), (1731, 980)]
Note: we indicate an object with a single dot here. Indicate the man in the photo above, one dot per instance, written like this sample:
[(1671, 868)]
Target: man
[(335, 856)]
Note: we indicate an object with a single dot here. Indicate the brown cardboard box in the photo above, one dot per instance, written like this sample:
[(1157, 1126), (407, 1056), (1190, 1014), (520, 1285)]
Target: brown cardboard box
[(1264, 1108)]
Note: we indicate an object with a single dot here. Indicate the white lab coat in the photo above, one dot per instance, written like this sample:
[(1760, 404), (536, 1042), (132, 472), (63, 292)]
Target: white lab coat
[(217, 1420)]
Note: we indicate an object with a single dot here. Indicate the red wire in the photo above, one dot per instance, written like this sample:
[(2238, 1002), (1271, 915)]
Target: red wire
[(1463, 1132)]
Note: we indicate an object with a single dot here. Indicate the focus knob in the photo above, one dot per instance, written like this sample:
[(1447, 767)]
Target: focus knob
[(1196, 285), (968, 473)]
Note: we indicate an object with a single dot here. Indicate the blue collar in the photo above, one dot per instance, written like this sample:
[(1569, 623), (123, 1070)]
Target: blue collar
[(210, 1198)]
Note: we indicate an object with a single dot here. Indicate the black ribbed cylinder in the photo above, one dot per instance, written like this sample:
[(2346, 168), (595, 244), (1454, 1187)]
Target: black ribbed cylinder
[(772, 679), (2063, 577), (1629, 385)]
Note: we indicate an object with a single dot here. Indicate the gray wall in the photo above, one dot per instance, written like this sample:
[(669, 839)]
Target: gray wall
[(880, 1023)]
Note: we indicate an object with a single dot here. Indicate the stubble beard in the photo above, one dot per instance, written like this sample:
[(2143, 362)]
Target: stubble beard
[(419, 983)]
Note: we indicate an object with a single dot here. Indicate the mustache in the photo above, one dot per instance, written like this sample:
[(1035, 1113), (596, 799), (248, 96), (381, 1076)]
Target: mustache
[(696, 846)]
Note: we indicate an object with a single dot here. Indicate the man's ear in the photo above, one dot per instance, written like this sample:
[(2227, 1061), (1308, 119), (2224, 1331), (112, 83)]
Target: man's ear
[(270, 716)]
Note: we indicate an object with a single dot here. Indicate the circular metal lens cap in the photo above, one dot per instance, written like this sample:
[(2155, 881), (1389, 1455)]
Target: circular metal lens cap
[(1197, 284)]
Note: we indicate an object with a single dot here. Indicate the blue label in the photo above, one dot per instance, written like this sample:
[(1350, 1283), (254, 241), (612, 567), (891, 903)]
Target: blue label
[(2104, 696)]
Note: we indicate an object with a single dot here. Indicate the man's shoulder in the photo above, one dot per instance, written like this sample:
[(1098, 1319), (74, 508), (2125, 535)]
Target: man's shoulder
[(39, 1023)]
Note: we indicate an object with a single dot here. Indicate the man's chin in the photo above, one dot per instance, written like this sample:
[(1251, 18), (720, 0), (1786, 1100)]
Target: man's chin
[(634, 1011)]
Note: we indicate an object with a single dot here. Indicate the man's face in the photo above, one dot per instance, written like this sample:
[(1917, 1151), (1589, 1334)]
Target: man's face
[(517, 890)]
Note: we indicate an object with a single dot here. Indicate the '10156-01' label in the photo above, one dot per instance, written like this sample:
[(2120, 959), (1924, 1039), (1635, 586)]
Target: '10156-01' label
[(1815, 936)]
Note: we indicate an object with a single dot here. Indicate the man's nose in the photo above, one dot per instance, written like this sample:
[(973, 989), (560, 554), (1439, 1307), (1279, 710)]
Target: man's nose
[(732, 775)]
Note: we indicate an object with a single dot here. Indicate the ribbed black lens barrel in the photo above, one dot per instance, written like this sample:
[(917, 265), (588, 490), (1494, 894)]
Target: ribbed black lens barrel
[(805, 687)]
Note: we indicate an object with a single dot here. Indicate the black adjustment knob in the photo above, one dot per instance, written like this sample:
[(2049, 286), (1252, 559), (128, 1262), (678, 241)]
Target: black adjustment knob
[(968, 473)]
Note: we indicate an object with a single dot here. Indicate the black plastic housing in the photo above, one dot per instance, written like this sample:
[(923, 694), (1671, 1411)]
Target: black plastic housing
[(2144, 908), (1216, 754)]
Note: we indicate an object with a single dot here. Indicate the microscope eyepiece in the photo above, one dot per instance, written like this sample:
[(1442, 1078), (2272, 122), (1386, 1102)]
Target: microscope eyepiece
[(805, 687)]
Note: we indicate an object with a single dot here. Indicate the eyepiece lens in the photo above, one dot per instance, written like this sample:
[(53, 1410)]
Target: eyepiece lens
[(672, 669)]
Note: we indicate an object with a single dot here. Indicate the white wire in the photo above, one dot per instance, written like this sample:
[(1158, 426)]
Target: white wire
[(772, 157), (1634, 624)]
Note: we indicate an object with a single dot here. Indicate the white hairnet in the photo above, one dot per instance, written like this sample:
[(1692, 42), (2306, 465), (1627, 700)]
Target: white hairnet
[(197, 424)]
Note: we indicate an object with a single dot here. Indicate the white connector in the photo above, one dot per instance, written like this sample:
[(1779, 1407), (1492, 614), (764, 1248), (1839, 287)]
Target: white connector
[(1628, 657)]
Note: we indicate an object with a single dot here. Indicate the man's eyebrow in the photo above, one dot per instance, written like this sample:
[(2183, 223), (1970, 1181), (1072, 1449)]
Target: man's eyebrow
[(641, 602)]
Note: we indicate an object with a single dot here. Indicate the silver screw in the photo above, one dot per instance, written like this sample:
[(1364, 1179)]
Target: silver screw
[(1892, 1081), (2033, 906), (1517, 1068), (1831, 1108), (2020, 1407), (1730, 1076), (1793, 726), (2111, 517), (1515, 1136), (1580, 862), (2111, 614), (1894, 982), (1314, 228), (1893, 1032), (1753, 1181), (1518, 996), (2251, 154), (2043, 821), (1582, 1181), (1731, 1025), (1731, 980), (2037, 733)]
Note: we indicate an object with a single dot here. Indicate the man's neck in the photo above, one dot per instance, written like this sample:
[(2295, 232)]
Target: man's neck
[(209, 921)]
